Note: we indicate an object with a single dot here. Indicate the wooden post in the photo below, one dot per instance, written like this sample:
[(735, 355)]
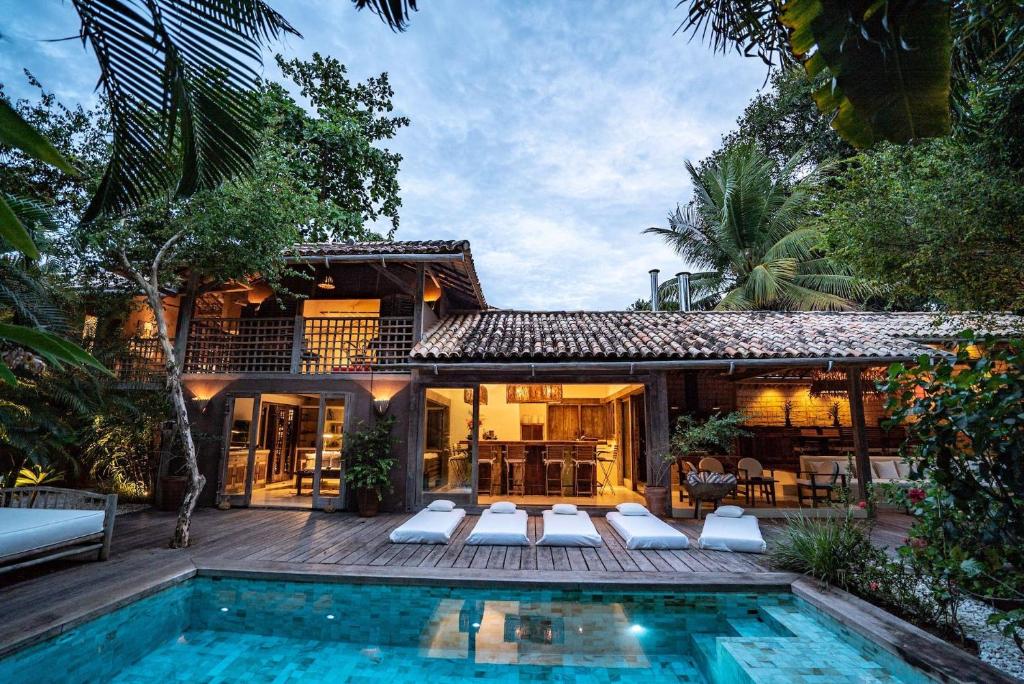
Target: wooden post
[(298, 340), (417, 309), (474, 453), (415, 444), (860, 439), (656, 414), (187, 303)]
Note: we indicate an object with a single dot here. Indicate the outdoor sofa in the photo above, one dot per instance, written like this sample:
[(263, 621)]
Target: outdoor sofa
[(39, 524)]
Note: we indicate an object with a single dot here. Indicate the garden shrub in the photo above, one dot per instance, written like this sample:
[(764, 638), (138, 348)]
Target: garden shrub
[(965, 427)]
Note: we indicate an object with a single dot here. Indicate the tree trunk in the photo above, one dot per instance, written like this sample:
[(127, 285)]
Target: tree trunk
[(151, 286), (176, 393)]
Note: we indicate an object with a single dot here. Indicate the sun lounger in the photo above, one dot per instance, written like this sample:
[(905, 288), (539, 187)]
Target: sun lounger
[(428, 527), (731, 534), (573, 529), (647, 532), (500, 529)]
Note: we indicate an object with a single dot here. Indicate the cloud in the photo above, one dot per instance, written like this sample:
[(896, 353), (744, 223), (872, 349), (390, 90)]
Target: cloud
[(548, 134)]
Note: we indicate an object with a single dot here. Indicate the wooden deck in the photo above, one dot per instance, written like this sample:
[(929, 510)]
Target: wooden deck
[(340, 545)]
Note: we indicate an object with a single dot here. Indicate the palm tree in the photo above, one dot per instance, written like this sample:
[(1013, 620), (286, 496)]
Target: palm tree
[(746, 229)]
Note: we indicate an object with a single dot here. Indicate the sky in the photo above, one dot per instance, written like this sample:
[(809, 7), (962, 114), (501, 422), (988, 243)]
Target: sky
[(549, 134)]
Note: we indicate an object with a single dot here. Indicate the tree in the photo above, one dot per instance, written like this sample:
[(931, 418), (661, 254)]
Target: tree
[(935, 222), (896, 70), (234, 231), (744, 229), (335, 150), (782, 122)]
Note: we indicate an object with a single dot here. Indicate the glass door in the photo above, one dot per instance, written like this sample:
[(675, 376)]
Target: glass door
[(447, 465), (238, 455), (329, 468)]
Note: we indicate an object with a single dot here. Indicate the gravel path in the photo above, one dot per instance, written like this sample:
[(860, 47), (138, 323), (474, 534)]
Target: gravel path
[(995, 648)]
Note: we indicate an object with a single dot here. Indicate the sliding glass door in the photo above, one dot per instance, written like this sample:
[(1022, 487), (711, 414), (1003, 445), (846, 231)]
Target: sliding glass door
[(284, 450)]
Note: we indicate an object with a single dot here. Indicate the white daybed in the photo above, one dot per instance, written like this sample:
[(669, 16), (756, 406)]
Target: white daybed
[(500, 529), (38, 524), (428, 527), (741, 534), (641, 530), (569, 529)]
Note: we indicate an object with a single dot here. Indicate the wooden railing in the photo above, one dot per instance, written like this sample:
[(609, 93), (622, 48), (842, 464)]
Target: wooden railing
[(308, 346), (141, 361)]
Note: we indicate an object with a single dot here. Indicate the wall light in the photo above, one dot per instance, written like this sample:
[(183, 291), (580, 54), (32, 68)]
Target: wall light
[(380, 407), (201, 403)]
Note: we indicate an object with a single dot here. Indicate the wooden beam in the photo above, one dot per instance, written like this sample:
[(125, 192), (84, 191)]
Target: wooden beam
[(860, 439), (185, 306), (415, 443), (401, 284)]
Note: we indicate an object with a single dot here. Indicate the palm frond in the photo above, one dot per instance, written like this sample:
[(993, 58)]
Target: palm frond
[(394, 13), (796, 297), (735, 300), (179, 76)]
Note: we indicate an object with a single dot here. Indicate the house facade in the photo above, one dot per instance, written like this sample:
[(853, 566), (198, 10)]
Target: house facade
[(532, 406)]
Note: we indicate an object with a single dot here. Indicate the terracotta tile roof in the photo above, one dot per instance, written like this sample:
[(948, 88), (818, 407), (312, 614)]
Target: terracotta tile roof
[(315, 249), (497, 336)]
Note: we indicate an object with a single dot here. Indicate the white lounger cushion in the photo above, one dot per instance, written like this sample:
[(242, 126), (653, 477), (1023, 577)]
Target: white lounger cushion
[(428, 527), (569, 530), (732, 534), (647, 532), (23, 530), (500, 529)]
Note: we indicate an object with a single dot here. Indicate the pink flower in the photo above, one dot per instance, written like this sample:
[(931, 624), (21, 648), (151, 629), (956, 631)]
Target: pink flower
[(873, 586), (916, 495), (862, 504)]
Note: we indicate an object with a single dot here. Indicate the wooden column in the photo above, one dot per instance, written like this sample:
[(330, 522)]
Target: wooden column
[(656, 414), (185, 306), (415, 444), (860, 440)]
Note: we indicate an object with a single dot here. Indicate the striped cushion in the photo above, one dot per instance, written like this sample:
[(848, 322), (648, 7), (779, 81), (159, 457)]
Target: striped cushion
[(711, 478)]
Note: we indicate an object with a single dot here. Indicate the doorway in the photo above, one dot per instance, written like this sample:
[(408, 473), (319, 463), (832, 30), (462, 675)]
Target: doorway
[(284, 450)]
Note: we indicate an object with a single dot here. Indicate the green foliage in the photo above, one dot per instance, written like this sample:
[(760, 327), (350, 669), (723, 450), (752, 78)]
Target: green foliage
[(894, 67), (936, 222), (336, 150), (966, 427), (887, 65), (368, 458), (715, 434), (35, 477), (838, 551), (743, 228), (783, 122)]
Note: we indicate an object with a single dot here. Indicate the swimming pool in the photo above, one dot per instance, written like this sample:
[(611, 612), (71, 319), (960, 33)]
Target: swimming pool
[(244, 630)]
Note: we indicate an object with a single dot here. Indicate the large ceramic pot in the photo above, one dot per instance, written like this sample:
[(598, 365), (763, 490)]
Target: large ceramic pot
[(657, 500), (367, 503), (172, 491)]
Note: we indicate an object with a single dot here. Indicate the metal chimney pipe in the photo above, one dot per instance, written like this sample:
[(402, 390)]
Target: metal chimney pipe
[(654, 289), (683, 281)]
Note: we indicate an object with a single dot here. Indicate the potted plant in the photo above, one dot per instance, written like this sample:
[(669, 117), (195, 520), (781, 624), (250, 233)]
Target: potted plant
[(368, 464), (712, 436), (657, 491)]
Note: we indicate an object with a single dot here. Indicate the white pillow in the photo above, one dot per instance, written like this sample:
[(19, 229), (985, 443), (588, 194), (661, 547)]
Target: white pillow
[(632, 509), (503, 507), (443, 505), (885, 470), (729, 512), (825, 467), (903, 468), (564, 509)]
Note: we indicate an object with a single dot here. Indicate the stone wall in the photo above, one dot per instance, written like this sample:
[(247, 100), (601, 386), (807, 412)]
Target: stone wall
[(764, 405)]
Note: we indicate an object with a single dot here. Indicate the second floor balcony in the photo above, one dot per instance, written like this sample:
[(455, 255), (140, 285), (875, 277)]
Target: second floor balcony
[(298, 346)]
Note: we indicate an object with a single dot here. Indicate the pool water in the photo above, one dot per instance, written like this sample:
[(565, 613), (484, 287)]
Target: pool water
[(241, 630)]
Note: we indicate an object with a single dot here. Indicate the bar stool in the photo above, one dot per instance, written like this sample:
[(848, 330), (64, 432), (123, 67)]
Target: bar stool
[(554, 459), (584, 459), (488, 475), (515, 469), (607, 460)]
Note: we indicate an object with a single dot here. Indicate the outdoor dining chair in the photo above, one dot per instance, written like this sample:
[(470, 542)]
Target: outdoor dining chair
[(752, 477)]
